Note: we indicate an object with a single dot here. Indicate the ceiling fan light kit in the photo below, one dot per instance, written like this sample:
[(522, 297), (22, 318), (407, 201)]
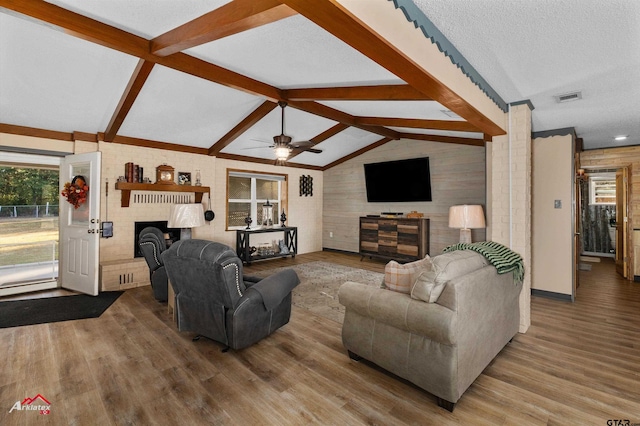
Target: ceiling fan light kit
[(282, 152)]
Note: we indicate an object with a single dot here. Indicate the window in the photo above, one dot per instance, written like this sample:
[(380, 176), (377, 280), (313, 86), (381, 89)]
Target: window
[(602, 190), (248, 191)]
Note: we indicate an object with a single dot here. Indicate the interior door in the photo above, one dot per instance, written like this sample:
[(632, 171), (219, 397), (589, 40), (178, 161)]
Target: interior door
[(80, 227), (577, 230), (622, 220)]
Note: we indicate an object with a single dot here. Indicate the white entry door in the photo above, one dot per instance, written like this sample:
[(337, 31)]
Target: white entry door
[(80, 227)]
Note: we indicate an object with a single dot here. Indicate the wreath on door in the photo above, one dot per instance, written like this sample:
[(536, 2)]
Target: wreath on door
[(76, 191)]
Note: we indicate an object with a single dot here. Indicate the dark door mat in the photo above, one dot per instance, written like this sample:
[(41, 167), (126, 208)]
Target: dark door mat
[(17, 313)]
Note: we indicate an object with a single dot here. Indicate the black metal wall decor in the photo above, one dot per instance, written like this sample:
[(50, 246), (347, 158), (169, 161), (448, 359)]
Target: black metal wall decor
[(306, 185)]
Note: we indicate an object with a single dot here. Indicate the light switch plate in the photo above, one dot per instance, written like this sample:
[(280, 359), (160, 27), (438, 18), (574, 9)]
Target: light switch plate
[(557, 204)]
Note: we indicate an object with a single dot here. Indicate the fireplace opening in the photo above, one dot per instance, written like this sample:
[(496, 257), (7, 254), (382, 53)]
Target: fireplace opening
[(171, 235)]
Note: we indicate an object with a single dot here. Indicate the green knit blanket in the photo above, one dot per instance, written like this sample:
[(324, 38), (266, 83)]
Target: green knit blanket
[(503, 258)]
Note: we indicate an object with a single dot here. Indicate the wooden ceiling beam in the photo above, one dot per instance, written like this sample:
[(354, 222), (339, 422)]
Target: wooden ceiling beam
[(232, 18), (13, 129), (131, 92), (256, 115), (148, 143), (445, 139), (321, 138), (400, 92), (266, 161), (415, 123), (114, 38), (357, 153), (341, 117), (337, 20)]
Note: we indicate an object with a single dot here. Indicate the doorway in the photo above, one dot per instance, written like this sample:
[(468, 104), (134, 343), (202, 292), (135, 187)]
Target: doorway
[(603, 216), (29, 231)]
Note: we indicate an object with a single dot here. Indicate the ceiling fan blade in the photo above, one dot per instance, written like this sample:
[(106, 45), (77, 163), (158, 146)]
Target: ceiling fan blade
[(313, 150), (258, 147), (260, 140), (302, 144)]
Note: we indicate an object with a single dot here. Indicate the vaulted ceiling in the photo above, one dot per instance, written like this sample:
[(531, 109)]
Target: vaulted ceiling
[(205, 76)]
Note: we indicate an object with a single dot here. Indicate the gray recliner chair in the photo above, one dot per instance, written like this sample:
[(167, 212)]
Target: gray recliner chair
[(213, 298), (152, 245)]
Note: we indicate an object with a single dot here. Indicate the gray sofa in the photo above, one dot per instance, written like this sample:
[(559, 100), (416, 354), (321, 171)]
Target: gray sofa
[(443, 346)]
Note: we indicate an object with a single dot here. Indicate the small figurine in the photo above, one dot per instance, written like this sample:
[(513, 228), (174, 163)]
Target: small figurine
[(283, 247), (283, 218), (248, 221)]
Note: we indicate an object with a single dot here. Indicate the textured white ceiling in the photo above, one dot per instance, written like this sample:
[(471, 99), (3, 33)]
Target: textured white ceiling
[(537, 49), (145, 18), (294, 52), (178, 108), (525, 49), (51, 81)]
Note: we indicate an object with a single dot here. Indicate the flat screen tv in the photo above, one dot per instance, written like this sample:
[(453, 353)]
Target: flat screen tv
[(398, 181)]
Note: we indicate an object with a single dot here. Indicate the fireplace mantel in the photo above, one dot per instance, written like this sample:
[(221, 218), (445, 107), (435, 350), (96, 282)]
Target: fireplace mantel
[(127, 187)]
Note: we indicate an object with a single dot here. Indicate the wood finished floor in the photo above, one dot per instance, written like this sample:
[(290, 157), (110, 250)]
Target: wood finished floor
[(578, 364)]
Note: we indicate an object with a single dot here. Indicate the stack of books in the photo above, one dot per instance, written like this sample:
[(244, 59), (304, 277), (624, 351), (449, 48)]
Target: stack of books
[(133, 173)]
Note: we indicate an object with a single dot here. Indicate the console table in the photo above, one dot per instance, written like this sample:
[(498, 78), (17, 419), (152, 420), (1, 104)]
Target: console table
[(401, 239), (243, 247)]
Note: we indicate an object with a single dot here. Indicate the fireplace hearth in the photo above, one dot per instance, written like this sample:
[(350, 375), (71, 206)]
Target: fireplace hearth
[(171, 234)]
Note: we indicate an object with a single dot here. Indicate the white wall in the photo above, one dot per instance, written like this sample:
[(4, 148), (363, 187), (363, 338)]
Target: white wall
[(457, 177), (303, 212), (552, 228)]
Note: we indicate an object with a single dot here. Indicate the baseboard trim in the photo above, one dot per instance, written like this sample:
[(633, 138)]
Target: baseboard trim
[(551, 295), (339, 250)]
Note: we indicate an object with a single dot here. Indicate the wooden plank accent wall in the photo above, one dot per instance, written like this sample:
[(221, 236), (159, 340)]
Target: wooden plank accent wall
[(457, 177), (614, 158)]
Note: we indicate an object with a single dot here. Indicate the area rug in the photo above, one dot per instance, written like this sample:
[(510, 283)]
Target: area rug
[(319, 284), (17, 313)]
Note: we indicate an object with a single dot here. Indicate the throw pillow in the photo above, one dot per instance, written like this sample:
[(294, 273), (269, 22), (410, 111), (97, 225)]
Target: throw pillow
[(457, 263), (400, 277), (425, 287), (429, 286)]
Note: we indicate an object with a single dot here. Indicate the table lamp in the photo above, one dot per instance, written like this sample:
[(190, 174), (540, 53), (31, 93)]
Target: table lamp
[(466, 218), (185, 217)]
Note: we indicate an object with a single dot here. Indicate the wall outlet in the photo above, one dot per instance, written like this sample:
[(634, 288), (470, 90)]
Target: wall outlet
[(557, 204), (330, 234)]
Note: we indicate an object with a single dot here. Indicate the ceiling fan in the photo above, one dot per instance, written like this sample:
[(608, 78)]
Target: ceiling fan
[(283, 146)]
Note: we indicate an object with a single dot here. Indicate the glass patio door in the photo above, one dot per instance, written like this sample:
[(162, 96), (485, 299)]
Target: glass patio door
[(28, 222)]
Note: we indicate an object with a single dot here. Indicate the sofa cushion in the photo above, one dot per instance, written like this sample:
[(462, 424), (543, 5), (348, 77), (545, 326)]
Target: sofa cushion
[(400, 277), (429, 284)]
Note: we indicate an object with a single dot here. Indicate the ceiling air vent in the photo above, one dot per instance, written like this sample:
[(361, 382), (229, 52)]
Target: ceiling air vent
[(568, 97)]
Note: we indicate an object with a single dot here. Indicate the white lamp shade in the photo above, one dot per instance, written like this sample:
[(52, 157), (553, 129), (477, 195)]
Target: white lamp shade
[(466, 217), (186, 216)]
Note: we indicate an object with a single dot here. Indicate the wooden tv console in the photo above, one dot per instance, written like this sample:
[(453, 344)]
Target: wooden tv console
[(401, 239)]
